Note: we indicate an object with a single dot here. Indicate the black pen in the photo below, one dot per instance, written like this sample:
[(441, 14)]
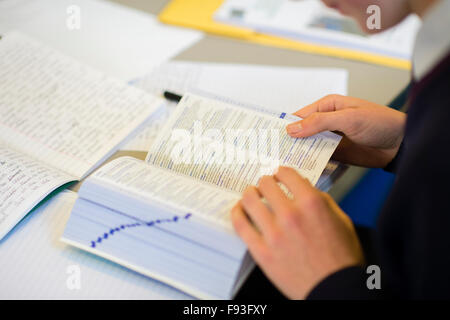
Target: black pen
[(172, 96)]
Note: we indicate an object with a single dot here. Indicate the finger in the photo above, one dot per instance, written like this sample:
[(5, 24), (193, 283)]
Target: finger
[(296, 184), (326, 104), (329, 103), (319, 122), (245, 229), (330, 201), (257, 210), (277, 199), (336, 209)]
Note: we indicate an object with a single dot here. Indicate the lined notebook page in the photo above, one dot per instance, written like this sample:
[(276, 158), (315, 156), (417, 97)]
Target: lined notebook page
[(233, 147), (62, 112), (35, 264), (24, 182)]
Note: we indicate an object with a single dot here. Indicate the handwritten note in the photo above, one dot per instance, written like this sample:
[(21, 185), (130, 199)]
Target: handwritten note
[(62, 112), (23, 183)]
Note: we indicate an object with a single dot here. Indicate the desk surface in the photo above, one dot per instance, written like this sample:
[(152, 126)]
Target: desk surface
[(371, 82), (366, 81)]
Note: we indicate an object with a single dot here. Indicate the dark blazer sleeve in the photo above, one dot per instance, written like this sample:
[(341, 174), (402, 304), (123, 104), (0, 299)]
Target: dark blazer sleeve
[(412, 234), (392, 166), (398, 103), (346, 284)]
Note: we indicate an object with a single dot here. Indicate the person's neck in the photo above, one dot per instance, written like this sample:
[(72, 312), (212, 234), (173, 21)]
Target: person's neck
[(421, 7)]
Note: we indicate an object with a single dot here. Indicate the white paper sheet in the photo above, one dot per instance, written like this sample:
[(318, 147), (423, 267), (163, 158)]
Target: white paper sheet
[(278, 89), (114, 39), (34, 264), (144, 138), (312, 21)]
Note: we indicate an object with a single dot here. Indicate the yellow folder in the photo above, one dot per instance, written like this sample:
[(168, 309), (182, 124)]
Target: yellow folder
[(198, 14)]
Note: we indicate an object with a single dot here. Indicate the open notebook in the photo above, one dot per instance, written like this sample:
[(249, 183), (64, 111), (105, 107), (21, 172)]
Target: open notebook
[(168, 217), (59, 119)]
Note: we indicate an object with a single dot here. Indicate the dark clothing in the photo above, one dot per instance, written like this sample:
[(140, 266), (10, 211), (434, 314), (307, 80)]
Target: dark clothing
[(410, 243), (410, 240), (257, 286)]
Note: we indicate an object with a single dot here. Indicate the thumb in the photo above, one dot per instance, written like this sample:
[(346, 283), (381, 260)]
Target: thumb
[(319, 122)]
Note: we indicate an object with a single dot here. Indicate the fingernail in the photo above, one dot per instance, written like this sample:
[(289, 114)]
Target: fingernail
[(294, 128)]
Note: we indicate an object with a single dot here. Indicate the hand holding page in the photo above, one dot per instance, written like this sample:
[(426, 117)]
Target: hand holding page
[(169, 218)]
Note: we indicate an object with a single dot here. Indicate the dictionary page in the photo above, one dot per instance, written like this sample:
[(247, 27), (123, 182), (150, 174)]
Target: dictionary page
[(232, 147), (132, 178), (272, 88), (24, 182), (61, 112)]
